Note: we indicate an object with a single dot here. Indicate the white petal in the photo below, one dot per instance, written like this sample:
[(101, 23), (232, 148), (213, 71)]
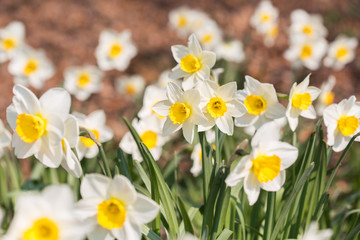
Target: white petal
[(162, 107), (239, 172), (170, 127), (275, 111), (23, 149), (208, 58), (94, 185), (49, 155), (56, 100), (173, 92), (194, 46), (60, 196), (144, 209), (246, 120), (275, 184), (55, 129), (236, 108), (227, 91), (309, 113), (286, 152), (129, 230), (225, 124), (252, 188), (179, 52), (188, 130), (87, 207), (27, 99), (122, 189), (177, 73), (268, 132)]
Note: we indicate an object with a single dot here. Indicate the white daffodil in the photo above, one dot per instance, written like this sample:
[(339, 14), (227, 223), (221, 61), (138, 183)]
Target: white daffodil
[(342, 122), (219, 106), (261, 103), (182, 111), (38, 125), (115, 50), (210, 36), (113, 208), (326, 96), (265, 166), (301, 98), (70, 140), (46, 215), (305, 25), (313, 232), (270, 32), (152, 95), (31, 67), (82, 81), (306, 52), (95, 123), (194, 64), (264, 14), (196, 154), (149, 130), (341, 52), (11, 40), (5, 138), (130, 86), (231, 51)]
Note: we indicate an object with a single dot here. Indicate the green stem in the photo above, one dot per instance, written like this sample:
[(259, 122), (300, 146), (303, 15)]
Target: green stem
[(270, 214), (105, 161)]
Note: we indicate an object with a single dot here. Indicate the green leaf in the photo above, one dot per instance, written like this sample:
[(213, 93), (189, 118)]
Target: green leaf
[(121, 163), (225, 234), (185, 216)]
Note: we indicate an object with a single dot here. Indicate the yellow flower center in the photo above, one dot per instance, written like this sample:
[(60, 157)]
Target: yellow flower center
[(273, 32), (307, 29), (111, 214), (30, 127), (216, 107), (130, 89), (30, 67), (301, 100), (265, 17), (266, 168), (179, 112), (43, 229), (190, 64), (255, 104), (207, 38), (8, 44), (348, 125), (83, 80), (181, 21), (149, 139), (328, 98), (115, 50), (341, 53), (87, 141), (306, 51)]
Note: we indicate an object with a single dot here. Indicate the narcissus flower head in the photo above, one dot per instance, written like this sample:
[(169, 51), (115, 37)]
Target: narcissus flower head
[(342, 122), (112, 207), (265, 167), (11, 40), (194, 64), (115, 50), (326, 96), (182, 111), (301, 98)]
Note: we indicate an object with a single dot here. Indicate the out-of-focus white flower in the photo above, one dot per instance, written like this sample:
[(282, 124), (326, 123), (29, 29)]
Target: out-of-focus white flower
[(264, 14), (113, 209), (187, 236), (38, 125), (164, 79), (313, 232), (270, 32), (341, 52), (70, 162), (31, 67), (219, 106), (342, 122), (306, 52), (149, 130), (46, 215), (5, 138), (115, 50), (95, 123), (210, 36), (231, 51), (261, 103), (305, 25), (194, 64), (182, 111), (326, 96), (152, 95), (130, 86), (196, 154), (301, 98), (82, 81), (11, 40), (265, 166)]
